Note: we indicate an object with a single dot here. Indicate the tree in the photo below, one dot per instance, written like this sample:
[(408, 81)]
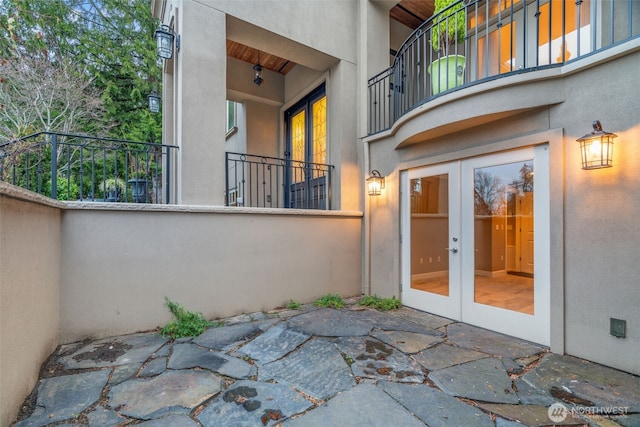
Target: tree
[(489, 194), (108, 41), (39, 95)]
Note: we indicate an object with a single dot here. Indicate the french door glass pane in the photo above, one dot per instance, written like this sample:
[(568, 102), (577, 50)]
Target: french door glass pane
[(319, 112), (503, 236), (298, 144), (430, 234)]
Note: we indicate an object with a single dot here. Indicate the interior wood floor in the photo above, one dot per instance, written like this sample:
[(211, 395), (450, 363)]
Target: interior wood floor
[(507, 291)]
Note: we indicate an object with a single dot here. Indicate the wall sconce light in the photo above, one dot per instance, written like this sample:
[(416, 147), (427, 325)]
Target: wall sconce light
[(375, 183), (597, 148), (164, 41), (154, 102)]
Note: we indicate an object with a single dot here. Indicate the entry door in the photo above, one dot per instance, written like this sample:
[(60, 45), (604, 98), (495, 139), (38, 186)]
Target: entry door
[(478, 242), (432, 220), (306, 180)]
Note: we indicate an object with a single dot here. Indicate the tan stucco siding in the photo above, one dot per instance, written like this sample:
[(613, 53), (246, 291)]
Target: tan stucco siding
[(29, 292), (119, 265)]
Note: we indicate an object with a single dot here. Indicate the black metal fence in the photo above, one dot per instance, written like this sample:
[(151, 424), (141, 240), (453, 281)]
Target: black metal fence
[(89, 168), (271, 182), (473, 41)]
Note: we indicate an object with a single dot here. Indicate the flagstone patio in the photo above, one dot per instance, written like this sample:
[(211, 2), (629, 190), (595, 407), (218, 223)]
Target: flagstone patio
[(326, 367)]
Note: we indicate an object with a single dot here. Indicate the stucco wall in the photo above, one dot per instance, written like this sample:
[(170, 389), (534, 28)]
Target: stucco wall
[(321, 25), (118, 265), (70, 271), (594, 227), (602, 208), (29, 292)]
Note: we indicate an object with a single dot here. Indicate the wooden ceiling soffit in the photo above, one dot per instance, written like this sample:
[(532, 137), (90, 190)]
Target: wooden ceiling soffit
[(412, 13), (253, 56)]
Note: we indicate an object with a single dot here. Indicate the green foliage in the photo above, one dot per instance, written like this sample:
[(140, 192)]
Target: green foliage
[(293, 305), (330, 300), (348, 359), (187, 323), (382, 304), (450, 27), (66, 189), (111, 44)]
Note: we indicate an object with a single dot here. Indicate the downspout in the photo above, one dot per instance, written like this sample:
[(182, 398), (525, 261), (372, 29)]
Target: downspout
[(366, 282)]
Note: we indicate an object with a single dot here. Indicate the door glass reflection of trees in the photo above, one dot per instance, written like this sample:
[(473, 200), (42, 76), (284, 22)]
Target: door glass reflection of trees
[(503, 236)]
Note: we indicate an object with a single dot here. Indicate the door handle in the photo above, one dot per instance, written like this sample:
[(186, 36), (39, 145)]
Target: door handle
[(452, 250)]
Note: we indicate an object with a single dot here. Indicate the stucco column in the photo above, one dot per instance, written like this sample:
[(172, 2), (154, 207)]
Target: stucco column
[(373, 57), (200, 104)]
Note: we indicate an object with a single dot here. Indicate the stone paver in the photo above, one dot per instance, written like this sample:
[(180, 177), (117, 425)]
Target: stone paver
[(171, 421), (325, 367), (579, 380), (102, 417), (273, 344), (124, 372), (327, 322), (374, 359), (529, 415), (428, 320), (60, 398), (252, 403), (483, 379), (145, 398), (316, 368), (434, 407), (489, 342), (155, 367), (228, 337), (407, 342), (363, 405), (445, 355), (186, 356), (115, 351)]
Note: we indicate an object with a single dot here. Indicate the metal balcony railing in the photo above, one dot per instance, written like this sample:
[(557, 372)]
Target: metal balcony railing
[(271, 182), (89, 168), (493, 39)]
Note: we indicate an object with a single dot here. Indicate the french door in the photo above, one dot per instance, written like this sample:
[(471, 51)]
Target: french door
[(306, 174), (478, 241)]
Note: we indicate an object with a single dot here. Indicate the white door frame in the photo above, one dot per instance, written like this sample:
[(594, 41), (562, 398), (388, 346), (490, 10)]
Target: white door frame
[(460, 304), (447, 306)]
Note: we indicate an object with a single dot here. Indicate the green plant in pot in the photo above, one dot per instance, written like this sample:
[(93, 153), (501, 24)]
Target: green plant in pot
[(448, 31), (114, 189)]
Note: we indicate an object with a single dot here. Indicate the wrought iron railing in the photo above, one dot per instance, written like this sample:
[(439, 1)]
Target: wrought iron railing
[(495, 38), (89, 168), (270, 182)]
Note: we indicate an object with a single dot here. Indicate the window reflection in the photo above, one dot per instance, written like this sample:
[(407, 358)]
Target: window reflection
[(503, 236)]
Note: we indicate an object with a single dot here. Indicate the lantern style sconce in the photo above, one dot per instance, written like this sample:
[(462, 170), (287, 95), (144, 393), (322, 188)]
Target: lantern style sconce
[(597, 148), (164, 41), (257, 79), (375, 183), (154, 102)]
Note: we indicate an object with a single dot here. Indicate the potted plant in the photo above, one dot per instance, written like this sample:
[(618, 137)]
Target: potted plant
[(139, 189), (114, 188), (448, 30)]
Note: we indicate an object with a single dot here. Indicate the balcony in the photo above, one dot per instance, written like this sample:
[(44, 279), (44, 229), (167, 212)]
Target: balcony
[(271, 182), (492, 39), (89, 168)]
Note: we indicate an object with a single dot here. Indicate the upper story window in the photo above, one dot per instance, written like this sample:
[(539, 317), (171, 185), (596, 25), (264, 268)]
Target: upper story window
[(556, 31), (232, 125), (562, 39)]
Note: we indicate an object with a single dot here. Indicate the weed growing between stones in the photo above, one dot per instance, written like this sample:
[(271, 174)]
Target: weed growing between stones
[(382, 304), (187, 323), (330, 301), (293, 305)]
